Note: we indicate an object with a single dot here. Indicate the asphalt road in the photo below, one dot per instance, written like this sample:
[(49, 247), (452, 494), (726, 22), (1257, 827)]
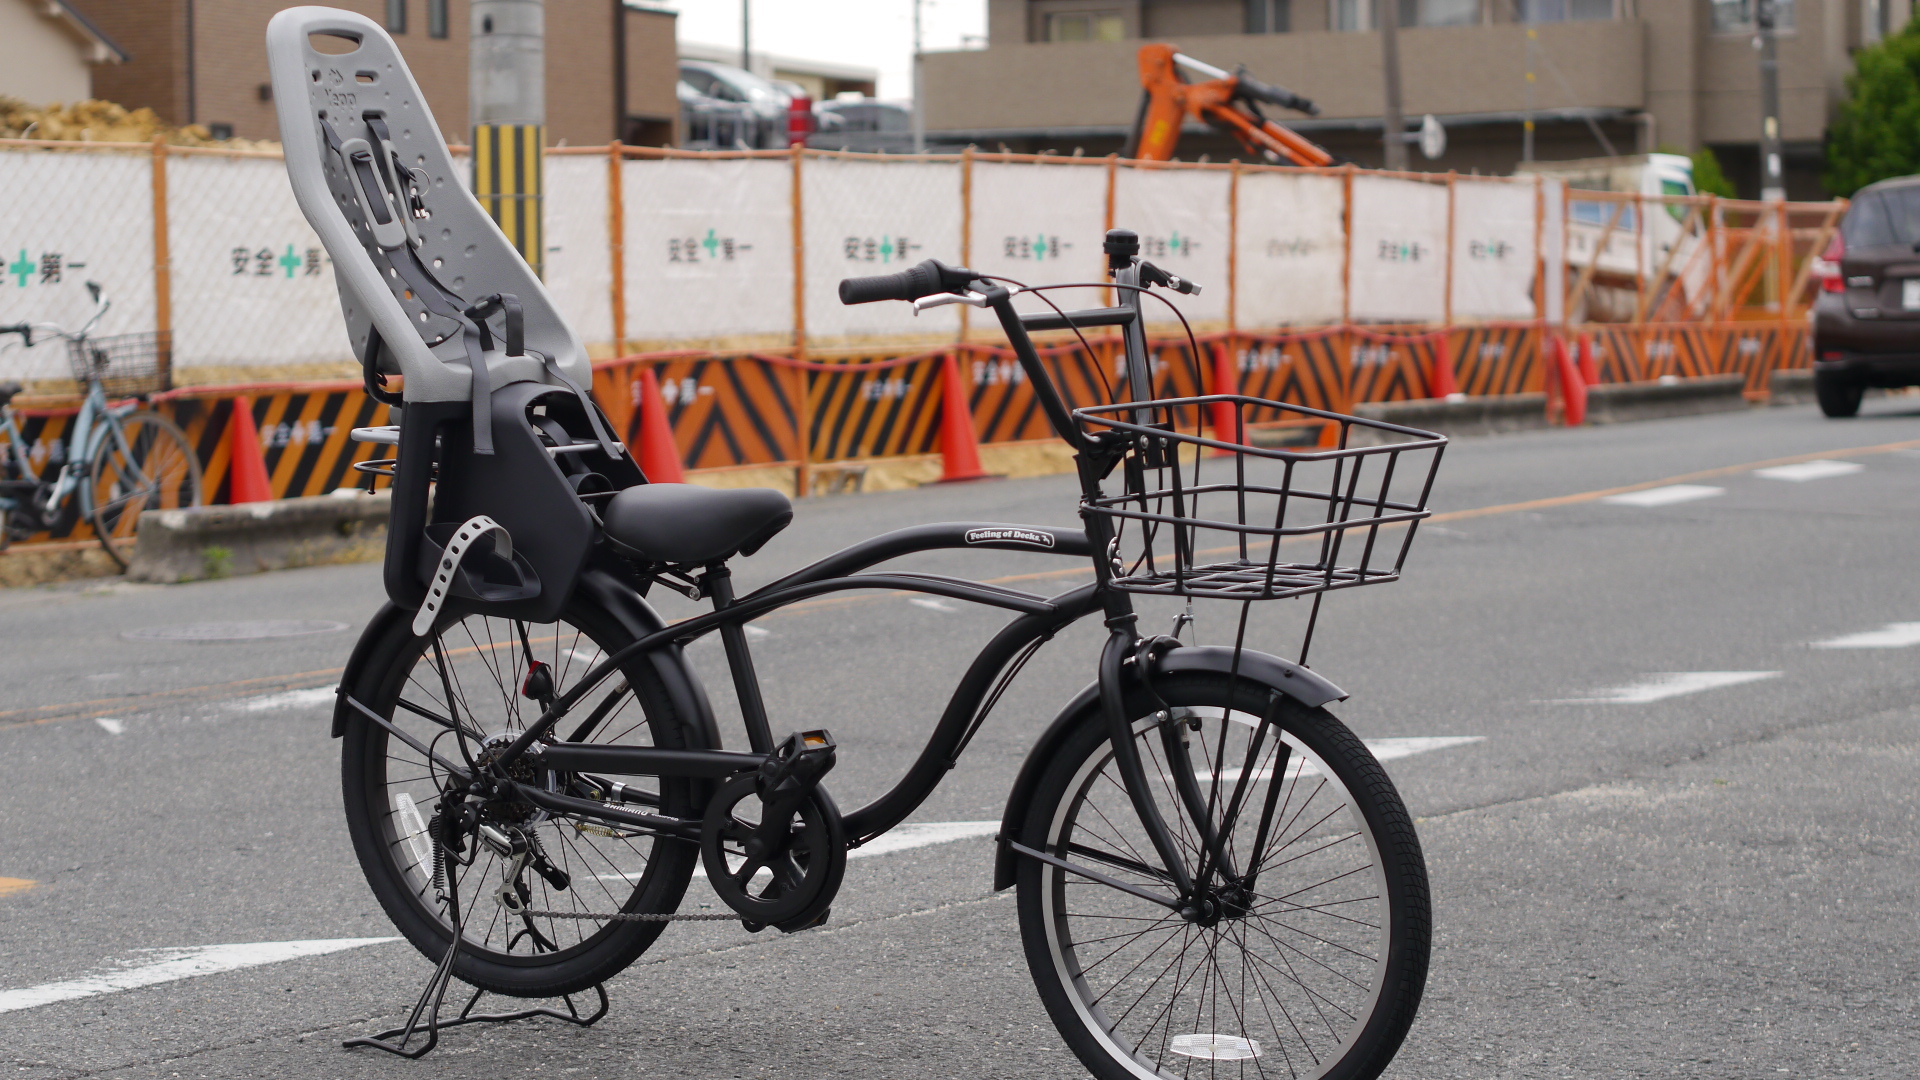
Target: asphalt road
[(1683, 844)]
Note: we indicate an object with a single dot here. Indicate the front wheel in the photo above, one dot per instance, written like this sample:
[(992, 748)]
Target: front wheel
[(1838, 395), (142, 463), (1303, 952)]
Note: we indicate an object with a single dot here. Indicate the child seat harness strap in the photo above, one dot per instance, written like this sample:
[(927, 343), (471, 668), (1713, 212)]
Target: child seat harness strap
[(392, 239)]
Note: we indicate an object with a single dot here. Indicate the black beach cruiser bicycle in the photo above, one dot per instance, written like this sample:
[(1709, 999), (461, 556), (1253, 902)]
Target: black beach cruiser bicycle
[(1213, 873), (1211, 868)]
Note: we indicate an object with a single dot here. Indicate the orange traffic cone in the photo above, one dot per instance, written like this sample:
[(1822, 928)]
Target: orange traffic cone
[(959, 445), (659, 456), (1443, 384), (1226, 415), (1589, 365), (1573, 387), (246, 465)]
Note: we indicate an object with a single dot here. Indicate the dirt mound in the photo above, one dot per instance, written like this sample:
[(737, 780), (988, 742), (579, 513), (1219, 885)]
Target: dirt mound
[(104, 121)]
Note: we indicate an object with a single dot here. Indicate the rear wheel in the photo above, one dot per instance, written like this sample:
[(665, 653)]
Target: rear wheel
[(391, 792), (1838, 395), (144, 463), (1304, 956)]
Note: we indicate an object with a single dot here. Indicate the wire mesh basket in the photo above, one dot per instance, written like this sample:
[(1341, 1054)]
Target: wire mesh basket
[(125, 365), (1242, 516)]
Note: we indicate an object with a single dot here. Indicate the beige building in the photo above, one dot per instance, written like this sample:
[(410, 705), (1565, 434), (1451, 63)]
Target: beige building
[(205, 62), (1597, 76), (49, 50)]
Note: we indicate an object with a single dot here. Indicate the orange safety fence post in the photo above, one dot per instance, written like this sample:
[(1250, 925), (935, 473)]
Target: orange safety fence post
[(1573, 387), (1444, 385), (1589, 365), (959, 445), (659, 455), (247, 466), (1226, 416)]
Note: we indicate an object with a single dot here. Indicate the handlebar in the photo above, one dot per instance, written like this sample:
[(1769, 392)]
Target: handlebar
[(927, 279), (25, 330)]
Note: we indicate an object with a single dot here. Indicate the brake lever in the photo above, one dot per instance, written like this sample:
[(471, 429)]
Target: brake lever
[(971, 299)]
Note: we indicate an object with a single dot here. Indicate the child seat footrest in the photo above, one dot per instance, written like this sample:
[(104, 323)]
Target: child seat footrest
[(498, 576)]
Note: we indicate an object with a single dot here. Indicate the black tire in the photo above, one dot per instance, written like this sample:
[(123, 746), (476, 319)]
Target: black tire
[(1319, 968), (148, 464), (390, 788), (1839, 396)]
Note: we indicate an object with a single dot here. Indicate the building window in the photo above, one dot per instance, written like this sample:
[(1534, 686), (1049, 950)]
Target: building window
[(1554, 11), (1086, 26), (1446, 12), (1351, 14), (436, 18), (1269, 16), (1736, 16), (397, 16)]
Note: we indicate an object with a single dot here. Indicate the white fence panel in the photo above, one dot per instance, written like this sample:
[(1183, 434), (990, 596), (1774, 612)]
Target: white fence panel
[(709, 249), (1399, 250), (252, 286), (1185, 224), (579, 270), (1292, 249), (1494, 231), (871, 217), (67, 219), (1041, 224)]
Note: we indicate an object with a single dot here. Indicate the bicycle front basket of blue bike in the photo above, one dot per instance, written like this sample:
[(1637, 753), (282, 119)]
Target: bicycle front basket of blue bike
[(125, 365), (1258, 499)]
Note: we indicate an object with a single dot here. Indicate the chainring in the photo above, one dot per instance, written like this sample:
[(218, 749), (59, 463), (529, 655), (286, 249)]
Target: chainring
[(803, 862)]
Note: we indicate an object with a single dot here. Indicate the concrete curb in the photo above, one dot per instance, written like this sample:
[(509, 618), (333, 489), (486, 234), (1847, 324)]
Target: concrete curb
[(1792, 386), (1613, 403), (218, 541), (1456, 417)]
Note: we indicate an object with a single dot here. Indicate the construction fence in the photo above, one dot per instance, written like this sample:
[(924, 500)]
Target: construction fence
[(719, 270)]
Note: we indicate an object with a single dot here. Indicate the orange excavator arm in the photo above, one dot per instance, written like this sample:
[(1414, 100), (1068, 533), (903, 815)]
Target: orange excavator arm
[(1226, 102)]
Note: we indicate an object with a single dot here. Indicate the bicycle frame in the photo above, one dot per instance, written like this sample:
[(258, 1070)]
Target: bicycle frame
[(1039, 618), (93, 424)]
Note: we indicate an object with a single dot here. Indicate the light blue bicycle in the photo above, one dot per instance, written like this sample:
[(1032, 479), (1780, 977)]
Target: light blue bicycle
[(118, 460)]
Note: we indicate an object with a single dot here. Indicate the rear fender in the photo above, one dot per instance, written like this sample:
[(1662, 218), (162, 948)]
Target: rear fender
[(682, 686), (1285, 677)]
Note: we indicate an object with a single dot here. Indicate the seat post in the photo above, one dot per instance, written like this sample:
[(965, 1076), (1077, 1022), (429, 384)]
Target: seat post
[(746, 685)]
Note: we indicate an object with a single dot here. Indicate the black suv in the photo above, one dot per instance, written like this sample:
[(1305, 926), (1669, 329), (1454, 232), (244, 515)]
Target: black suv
[(1866, 322)]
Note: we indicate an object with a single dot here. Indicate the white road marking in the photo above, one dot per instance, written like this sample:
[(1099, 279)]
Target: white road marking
[(1809, 470), (1383, 750), (899, 838), (1665, 496), (170, 965), (933, 604), (1666, 684), (1898, 635), (288, 699), (110, 725)]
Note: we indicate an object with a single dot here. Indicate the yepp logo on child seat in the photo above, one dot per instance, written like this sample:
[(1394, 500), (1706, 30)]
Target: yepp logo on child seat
[(1010, 536)]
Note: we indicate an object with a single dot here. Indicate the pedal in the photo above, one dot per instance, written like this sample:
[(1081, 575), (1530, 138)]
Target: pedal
[(805, 756)]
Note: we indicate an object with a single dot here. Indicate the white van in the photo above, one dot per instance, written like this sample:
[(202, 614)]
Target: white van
[(1622, 262)]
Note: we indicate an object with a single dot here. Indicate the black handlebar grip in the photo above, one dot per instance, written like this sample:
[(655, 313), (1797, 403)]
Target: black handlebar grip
[(922, 280)]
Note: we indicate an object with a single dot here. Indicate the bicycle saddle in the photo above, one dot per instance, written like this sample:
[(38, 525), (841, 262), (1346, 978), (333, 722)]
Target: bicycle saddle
[(8, 390), (686, 523)]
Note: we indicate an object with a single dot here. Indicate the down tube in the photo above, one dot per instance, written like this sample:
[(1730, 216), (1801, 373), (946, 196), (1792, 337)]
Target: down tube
[(937, 758)]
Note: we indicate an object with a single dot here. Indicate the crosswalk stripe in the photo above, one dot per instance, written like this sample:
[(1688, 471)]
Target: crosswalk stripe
[(171, 965)]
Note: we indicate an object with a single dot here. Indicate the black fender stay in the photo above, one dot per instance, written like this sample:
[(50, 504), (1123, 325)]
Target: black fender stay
[(1303, 685)]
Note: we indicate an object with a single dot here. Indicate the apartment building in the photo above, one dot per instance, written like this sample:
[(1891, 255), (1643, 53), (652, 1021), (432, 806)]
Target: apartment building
[(611, 64), (1595, 76)]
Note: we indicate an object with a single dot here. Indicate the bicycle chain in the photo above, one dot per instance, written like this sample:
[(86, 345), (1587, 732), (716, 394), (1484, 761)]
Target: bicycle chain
[(626, 916)]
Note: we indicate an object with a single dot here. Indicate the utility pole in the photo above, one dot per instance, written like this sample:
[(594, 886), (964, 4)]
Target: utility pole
[(746, 35), (1394, 139), (1773, 183), (919, 89), (507, 83)]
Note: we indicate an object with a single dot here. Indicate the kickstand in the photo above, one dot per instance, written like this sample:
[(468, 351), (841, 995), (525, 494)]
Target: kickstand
[(436, 991)]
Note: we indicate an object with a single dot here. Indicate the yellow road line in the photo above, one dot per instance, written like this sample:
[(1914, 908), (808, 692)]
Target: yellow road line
[(12, 885)]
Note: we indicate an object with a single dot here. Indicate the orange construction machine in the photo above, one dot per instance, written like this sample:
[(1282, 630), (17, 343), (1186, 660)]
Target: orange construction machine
[(1228, 103)]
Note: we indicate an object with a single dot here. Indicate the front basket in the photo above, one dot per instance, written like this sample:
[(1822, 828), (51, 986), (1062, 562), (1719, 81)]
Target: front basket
[(1237, 515)]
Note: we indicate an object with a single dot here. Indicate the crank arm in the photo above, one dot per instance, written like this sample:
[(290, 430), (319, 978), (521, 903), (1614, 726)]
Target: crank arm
[(1094, 875)]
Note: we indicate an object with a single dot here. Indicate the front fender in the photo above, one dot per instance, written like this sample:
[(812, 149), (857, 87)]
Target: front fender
[(1303, 685)]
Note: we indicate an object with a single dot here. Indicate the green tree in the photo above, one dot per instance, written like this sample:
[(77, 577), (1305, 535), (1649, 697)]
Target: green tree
[(1877, 134), (1708, 179)]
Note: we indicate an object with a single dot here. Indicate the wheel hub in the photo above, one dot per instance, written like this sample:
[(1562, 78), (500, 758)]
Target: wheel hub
[(522, 770)]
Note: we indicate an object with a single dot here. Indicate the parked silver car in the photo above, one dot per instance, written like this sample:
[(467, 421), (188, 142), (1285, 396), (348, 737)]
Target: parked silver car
[(729, 108)]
